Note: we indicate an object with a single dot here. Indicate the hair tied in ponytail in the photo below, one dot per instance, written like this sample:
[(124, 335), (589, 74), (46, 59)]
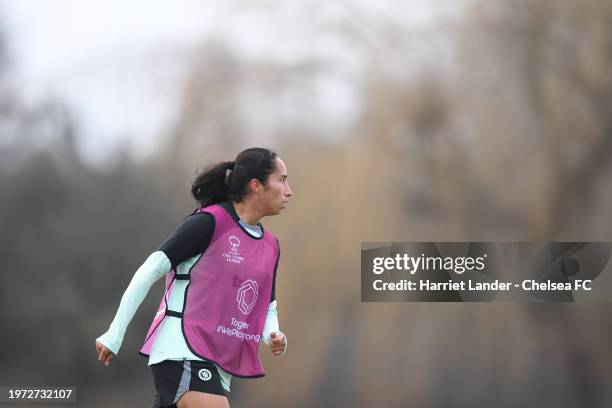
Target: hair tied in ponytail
[(228, 180), (228, 171)]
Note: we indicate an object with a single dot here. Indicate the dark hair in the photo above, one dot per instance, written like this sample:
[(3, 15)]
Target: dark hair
[(228, 180)]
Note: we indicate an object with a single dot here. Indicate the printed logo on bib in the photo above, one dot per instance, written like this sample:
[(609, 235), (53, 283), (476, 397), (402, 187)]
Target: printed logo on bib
[(204, 374), (246, 299), (237, 331), (233, 255), (247, 296)]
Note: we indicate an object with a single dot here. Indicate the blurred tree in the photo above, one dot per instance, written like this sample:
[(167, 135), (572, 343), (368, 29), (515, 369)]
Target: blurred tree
[(72, 237)]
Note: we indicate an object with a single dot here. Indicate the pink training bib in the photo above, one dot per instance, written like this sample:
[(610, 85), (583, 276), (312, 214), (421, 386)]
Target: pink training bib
[(227, 298)]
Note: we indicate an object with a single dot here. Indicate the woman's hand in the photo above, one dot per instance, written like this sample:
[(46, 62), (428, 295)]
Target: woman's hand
[(104, 354), (278, 342)]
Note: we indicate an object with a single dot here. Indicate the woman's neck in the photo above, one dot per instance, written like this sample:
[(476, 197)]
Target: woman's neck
[(247, 213)]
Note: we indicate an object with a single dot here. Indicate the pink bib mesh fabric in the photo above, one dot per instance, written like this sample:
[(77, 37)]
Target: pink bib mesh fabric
[(227, 298)]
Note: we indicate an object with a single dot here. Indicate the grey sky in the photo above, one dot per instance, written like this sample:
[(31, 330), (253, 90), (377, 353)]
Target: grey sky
[(120, 65)]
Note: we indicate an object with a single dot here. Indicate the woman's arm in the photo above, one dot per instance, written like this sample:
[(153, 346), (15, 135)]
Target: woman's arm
[(191, 237), (156, 266), (271, 333)]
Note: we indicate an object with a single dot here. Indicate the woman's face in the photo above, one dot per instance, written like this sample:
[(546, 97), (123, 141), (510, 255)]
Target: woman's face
[(276, 192)]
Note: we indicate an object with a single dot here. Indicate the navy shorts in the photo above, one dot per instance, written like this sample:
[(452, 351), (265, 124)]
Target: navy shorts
[(173, 378)]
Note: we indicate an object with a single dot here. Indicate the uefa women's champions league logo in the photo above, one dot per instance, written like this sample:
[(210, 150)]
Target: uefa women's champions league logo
[(233, 255), (234, 243), (247, 296)]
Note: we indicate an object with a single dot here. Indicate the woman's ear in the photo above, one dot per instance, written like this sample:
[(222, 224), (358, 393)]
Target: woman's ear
[(255, 186)]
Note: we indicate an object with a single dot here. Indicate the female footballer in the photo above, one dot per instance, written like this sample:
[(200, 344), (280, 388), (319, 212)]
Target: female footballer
[(219, 299)]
